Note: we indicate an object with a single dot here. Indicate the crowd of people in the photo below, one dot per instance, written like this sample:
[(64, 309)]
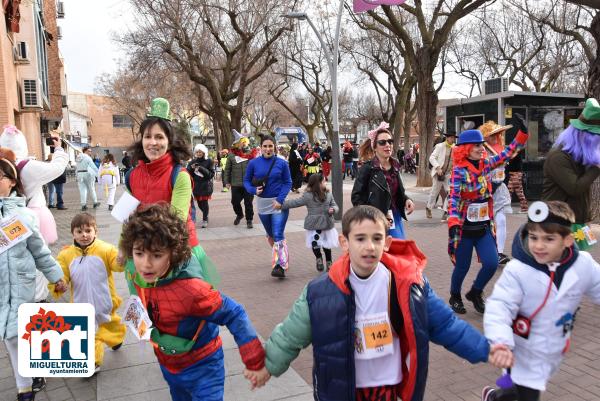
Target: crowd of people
[(375, 300)]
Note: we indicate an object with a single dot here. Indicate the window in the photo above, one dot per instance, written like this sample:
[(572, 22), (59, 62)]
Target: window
[(42, 58), (121, 121)]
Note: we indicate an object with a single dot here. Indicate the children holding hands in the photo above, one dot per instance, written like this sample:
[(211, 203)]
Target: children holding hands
[(533, 306), (376, 302), (20, 257), (185, 310)]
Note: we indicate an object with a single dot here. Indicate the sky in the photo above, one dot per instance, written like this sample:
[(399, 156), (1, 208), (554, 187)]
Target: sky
[(89, 50), (87, 46)]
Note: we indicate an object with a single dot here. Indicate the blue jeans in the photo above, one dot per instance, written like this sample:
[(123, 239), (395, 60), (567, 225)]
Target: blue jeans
[(488, 254), (51, 190), (203, 381), (274, 224), (58, 189)]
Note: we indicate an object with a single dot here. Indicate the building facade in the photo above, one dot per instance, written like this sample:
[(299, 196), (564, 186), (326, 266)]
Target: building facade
[(30, 97)]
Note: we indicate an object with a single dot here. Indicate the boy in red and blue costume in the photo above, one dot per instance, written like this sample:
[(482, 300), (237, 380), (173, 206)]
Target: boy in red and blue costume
[(471, 212), (185, 310)]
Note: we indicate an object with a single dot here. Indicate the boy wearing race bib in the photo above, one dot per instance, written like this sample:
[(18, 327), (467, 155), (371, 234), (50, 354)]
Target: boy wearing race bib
[(534, 303), (88, 266), (185, 310), (370, 320), (471, 212)]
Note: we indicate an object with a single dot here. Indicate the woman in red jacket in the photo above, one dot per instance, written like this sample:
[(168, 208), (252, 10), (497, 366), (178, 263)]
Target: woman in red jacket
[(159, 176)]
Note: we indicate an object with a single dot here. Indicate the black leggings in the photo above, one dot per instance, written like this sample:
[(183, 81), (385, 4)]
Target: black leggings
[(317, 251), (203, 206), (516, 393)]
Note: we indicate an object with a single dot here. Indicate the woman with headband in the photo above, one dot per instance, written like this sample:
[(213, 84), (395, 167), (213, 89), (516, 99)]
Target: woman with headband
[(379, 183)]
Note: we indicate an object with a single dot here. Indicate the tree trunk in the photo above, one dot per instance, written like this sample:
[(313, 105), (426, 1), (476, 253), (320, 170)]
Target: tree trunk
[(593, 89), (426, 103)]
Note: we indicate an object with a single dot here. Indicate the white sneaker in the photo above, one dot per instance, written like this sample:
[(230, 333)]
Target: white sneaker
[(204, 224)]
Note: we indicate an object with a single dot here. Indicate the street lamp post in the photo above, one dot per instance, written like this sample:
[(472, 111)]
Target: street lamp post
[(332, 63)]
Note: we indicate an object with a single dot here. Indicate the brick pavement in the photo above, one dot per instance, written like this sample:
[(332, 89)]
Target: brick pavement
[(244, 267)]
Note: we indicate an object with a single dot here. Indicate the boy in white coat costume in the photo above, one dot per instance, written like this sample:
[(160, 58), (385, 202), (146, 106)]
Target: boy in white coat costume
[(532, 309)]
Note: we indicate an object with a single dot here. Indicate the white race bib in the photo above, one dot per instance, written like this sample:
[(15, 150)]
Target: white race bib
[(589, 235), (239, 159), (136, 318), (498, 175), (478, 212), (373, 336), (310, 160), (12, 232)]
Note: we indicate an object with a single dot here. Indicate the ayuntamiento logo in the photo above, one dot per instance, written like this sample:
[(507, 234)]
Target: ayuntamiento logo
[(56, 339)]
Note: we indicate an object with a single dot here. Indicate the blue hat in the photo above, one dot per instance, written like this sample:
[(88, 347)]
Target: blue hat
[(470, 136)]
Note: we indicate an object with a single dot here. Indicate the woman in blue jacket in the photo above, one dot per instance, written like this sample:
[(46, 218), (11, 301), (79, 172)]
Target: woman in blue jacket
[(268, 177)]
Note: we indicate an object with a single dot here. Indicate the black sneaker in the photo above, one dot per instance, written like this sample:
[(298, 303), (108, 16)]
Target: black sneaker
[(116, 347), (61, 208), (50, 207), (237, 220), (329, 263), (110, 208), (39, 383), (96, 205), (83, 208), (320, 265), (475, 296), (503, 259), (249, 224), (456, 304), (28, 396), (278, 272)]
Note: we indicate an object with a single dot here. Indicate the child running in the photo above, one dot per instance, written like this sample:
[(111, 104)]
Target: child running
[(533, 306), (19, 260), (318, 223), (370, 320), (88, 266), (185, 310)]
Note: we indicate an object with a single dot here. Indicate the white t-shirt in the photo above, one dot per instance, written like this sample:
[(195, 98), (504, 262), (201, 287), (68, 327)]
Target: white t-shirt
[(377, 355)]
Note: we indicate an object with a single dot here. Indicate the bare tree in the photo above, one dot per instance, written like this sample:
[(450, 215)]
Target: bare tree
[(223, 46), (374, 49), (510, 44), (303, 75), (131, 92), (423, 48)]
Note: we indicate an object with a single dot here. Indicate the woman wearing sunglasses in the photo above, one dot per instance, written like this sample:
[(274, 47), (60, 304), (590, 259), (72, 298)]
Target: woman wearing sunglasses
[(379, 183)]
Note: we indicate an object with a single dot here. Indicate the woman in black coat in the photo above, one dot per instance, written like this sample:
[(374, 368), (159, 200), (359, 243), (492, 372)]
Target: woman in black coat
[(379, 183), (202, 170), (295, 161)]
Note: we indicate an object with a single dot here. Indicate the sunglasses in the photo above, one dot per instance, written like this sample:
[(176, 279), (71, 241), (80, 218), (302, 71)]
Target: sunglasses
[(382, 142)]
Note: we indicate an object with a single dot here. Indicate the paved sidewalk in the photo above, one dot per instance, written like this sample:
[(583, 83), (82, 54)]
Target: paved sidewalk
[(243, 260), (132, 373)]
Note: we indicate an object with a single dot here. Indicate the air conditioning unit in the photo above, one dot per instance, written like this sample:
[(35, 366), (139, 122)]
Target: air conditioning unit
[(59, 32), (60, 9), (31, 94), (495, 85), (21, 53)]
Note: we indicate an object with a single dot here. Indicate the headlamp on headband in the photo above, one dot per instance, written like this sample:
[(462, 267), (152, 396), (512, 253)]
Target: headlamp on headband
[(539, 212)]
